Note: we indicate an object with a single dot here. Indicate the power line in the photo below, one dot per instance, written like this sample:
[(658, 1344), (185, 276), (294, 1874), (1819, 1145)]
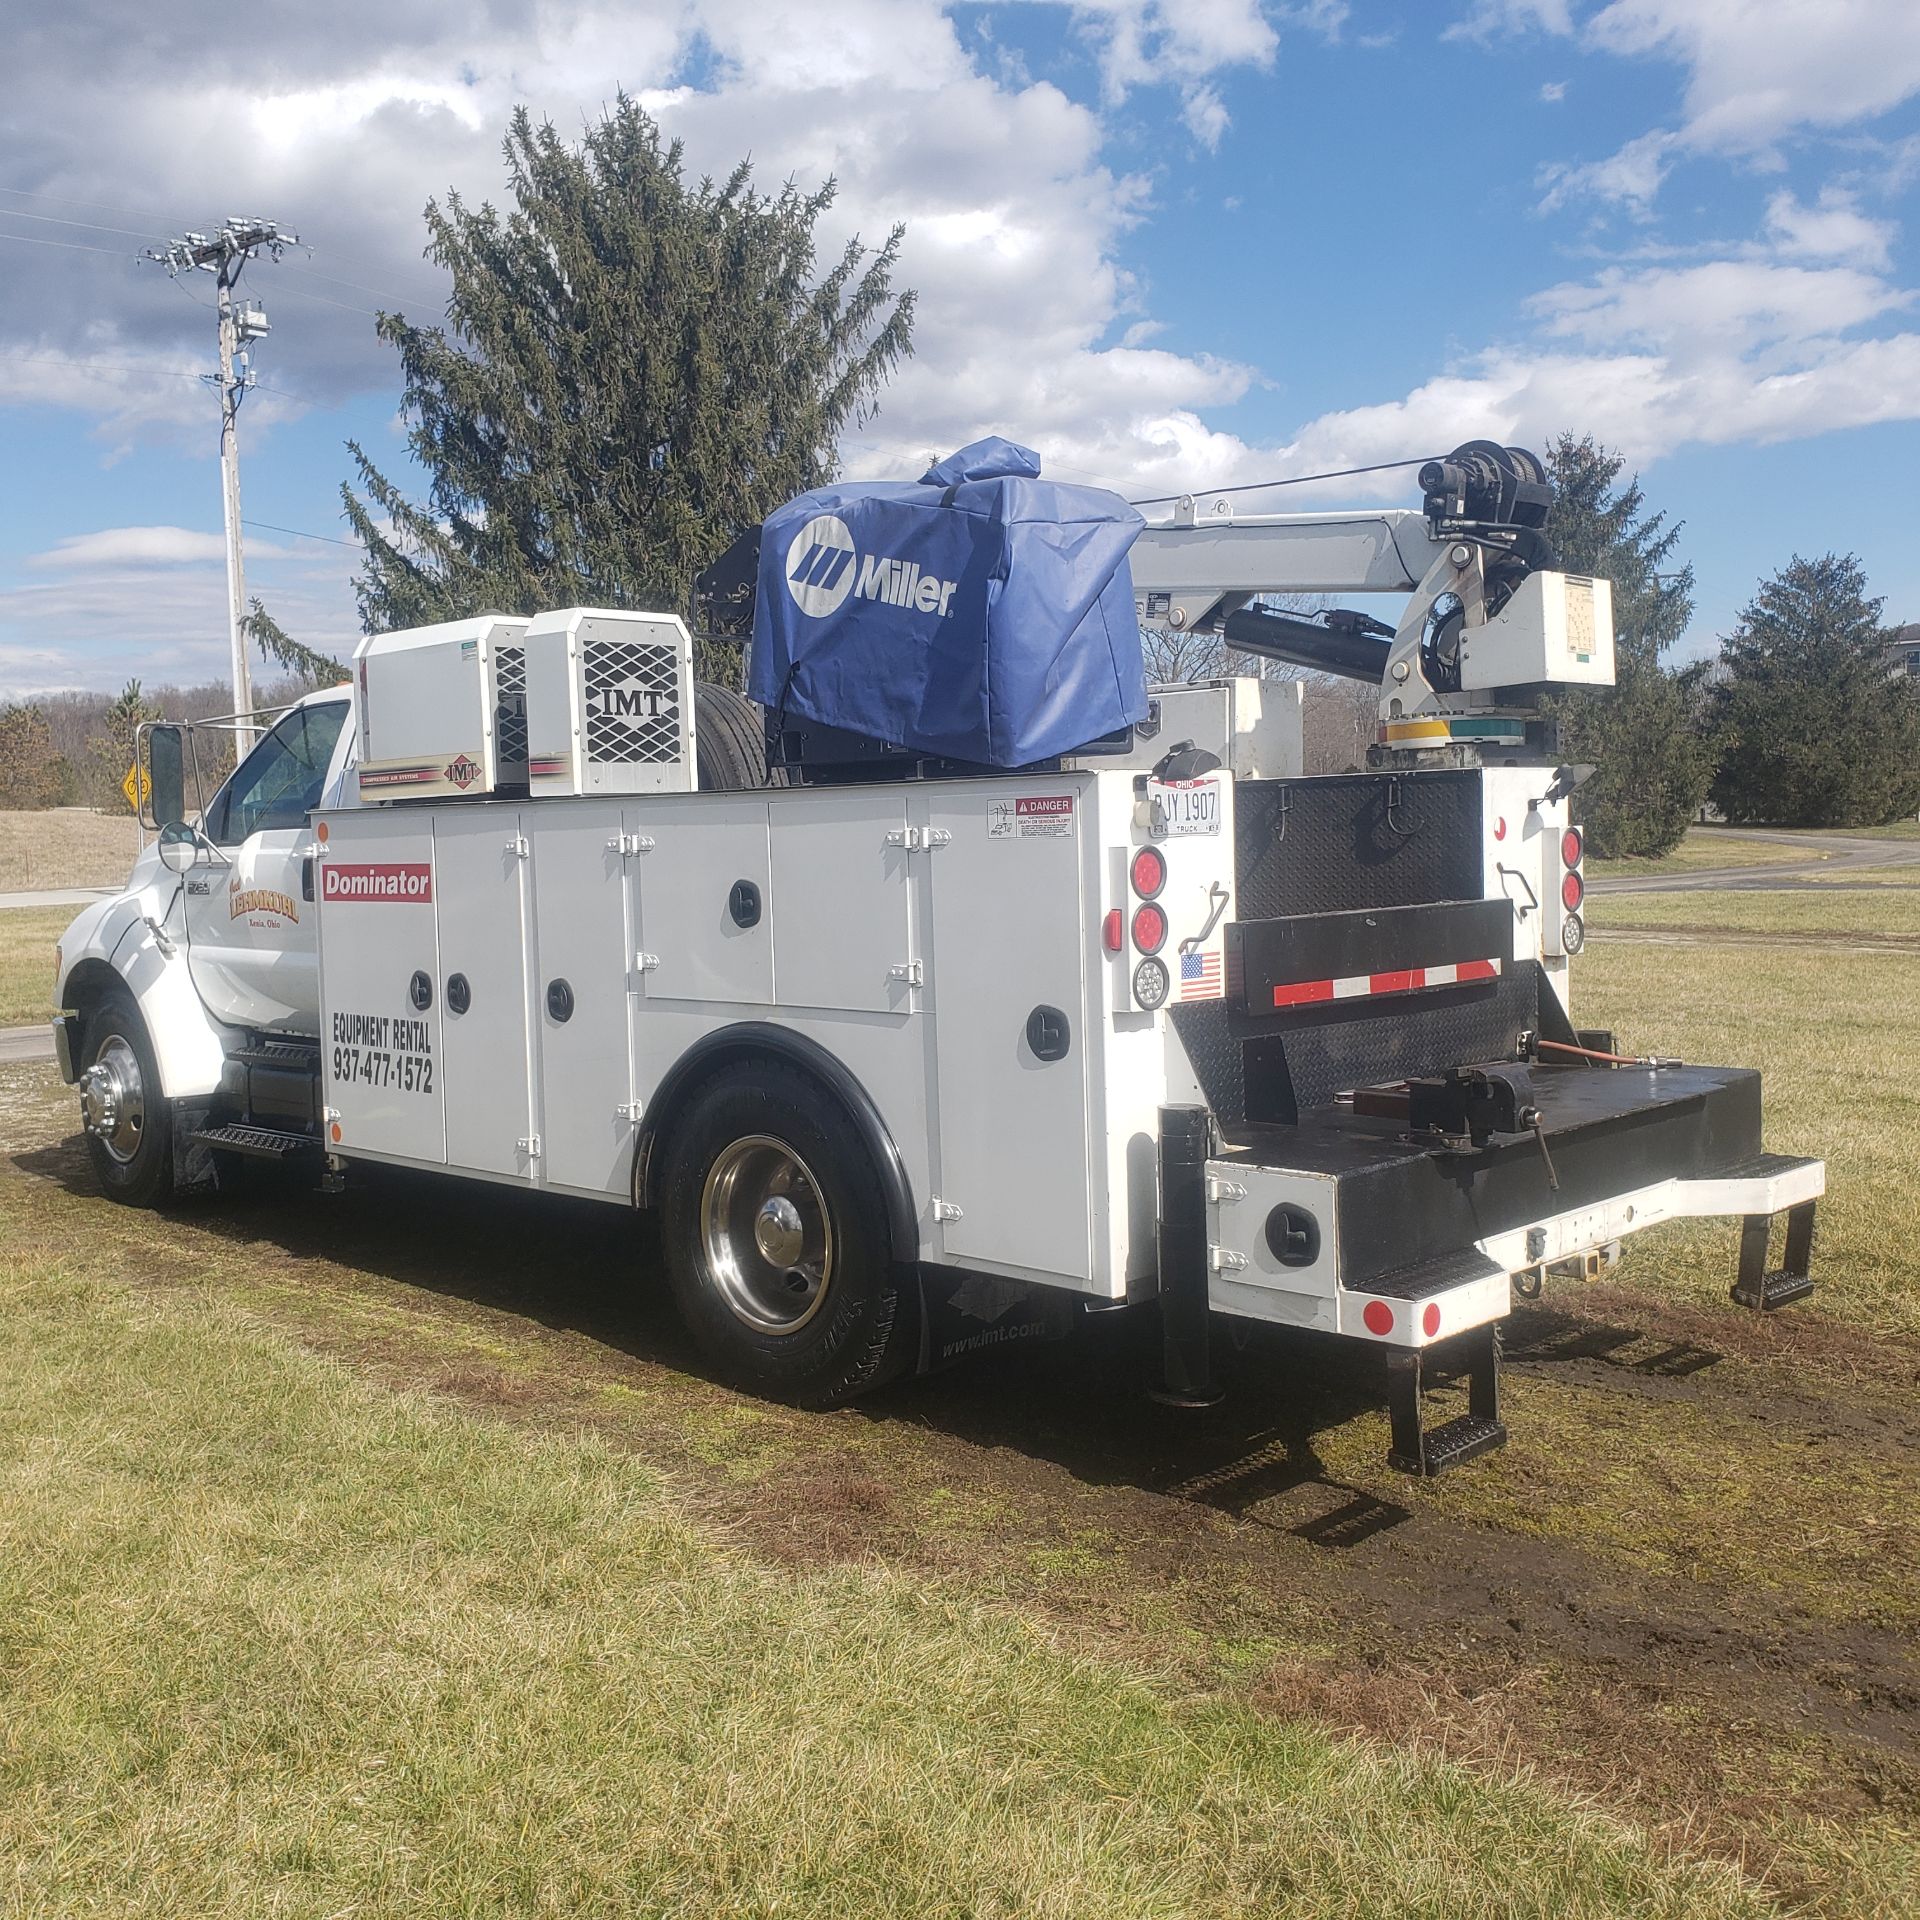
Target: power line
[(300, 533), (334, 280), (71, 246), (326, 300), (98, 206), (91, 226), (1297, 480), (101, 366)]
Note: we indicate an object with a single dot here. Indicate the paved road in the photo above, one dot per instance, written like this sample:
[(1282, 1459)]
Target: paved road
[(1829, 855), (75, 897), (25, 1043)]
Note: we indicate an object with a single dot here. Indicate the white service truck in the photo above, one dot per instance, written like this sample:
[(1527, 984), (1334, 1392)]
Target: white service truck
[(886, 1042)]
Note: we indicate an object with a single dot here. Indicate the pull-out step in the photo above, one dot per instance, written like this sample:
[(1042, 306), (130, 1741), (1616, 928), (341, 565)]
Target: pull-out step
[(1418, 1448), (264, 1143)]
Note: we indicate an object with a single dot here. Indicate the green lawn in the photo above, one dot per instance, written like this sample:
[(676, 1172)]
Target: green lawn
[(282, 1632), (27, 936), (1706, 847), (276, 1641)]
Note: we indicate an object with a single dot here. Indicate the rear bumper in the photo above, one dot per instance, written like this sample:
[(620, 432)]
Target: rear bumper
[(1347, 1228)]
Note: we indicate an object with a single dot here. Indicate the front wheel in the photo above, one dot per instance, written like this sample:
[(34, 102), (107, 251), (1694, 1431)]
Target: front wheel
[(775, 1232), (128, 1120)]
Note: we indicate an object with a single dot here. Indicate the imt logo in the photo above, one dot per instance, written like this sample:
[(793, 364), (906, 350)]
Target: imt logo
[(820, 565), (630, 700), (822, 569)]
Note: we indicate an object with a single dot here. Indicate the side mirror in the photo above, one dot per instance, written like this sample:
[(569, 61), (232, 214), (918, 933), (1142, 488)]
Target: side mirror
[(166, 767), (179, 847)]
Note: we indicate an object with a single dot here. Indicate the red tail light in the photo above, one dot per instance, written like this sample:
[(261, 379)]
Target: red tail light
[(1113, 933), (1149, 928), (1572, 846), (1572, 892), (1149, 872)]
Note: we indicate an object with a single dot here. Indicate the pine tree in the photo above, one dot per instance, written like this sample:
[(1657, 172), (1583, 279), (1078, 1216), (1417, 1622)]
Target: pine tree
[(634, 367), (1653, 765), (1810, 729)]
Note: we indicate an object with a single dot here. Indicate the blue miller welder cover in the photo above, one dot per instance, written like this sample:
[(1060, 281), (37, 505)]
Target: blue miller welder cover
[(981, 614)]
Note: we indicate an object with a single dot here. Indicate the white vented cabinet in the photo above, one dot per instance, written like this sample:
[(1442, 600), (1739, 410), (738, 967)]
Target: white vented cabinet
[(441, 710), (609, 703)]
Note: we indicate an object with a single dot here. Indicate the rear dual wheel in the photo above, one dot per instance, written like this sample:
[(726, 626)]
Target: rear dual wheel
[(776, 1239)]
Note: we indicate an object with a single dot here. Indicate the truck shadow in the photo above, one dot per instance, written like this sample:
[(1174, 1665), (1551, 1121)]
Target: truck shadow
[(1080, 1404)]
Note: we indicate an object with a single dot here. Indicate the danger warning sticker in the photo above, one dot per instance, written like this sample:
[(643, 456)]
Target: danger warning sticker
[(1042, 816)]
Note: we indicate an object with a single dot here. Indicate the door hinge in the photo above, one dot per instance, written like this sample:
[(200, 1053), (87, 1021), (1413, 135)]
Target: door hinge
[(630, 1110), (517, 846), (529, 1144), (626, 845), (1225, 1260), (915, 838), (645, 962), (911, 971), (1224, 1191), (945, 1210)]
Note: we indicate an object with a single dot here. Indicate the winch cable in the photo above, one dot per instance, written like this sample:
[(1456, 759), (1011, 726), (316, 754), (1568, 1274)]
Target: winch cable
[(1296, 480)]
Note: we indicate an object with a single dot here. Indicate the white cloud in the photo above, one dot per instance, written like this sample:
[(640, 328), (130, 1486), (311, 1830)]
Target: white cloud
[(1553, 90), (1759, 68), (144, 547), (1488, 20), (1834, 229), (1631, 177), (1206, 117)]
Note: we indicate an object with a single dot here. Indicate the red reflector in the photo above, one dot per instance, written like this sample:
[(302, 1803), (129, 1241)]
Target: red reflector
[(1430, 1319), (1572, 892), (1112, 934), (1149, 928), (1378, 1316), (1149, 872), (1571, 847)]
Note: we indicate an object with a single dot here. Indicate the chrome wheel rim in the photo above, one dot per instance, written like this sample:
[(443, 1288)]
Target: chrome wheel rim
[(113, 1100), (765, 1235)]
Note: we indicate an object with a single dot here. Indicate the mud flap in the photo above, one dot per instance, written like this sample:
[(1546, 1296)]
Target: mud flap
[(964, 1314)]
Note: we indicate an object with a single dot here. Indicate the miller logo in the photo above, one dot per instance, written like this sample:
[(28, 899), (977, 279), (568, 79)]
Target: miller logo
[(823, 568), (463, 772)]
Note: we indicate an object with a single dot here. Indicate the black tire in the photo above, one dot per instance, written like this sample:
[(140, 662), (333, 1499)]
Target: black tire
[(135, 1166), (730, 740), (856, 1328)]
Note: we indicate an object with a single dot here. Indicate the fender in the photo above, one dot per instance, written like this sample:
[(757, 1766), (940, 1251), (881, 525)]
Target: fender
[(749, 1037), (111, 943)]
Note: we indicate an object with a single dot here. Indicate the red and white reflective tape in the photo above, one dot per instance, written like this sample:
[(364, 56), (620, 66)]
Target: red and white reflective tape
[(1360, 986)]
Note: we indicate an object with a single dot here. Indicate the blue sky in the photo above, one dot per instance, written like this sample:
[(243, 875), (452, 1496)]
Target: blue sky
[(1168, 245)]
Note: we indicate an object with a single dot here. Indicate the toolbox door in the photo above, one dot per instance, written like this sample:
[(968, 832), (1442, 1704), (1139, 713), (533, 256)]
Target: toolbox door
[(581, 975), (1007, 945), (379, 1046), (480, 891), (842, 938)]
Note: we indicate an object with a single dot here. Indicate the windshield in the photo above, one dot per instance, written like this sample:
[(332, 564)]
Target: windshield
[(279, 783)]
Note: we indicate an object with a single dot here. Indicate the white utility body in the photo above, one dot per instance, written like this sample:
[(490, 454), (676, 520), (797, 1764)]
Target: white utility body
[(1163, 1019)]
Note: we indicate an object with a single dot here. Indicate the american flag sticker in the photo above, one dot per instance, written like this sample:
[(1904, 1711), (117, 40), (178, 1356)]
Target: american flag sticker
[(1200, 977)]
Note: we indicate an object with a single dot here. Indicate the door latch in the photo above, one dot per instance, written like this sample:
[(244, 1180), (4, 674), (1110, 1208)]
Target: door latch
[(627, 845), (913, 839)]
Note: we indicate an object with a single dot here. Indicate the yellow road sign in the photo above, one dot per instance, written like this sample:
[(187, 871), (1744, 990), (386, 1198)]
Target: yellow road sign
[(137, 786)]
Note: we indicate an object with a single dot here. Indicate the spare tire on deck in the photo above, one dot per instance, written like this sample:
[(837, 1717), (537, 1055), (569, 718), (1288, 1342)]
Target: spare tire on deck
[(730, 740)]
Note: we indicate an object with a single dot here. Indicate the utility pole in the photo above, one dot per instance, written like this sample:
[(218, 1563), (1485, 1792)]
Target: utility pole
[(224, 255)]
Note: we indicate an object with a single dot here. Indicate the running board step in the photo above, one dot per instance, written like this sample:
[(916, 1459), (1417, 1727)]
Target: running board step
[(1772, 1290), (265, 1143), (1452, 1445)]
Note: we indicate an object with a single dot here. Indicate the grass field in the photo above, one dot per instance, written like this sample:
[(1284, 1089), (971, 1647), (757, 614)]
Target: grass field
[(389, 1554), (66, 847), (27, 936), (1706, 847), (1804, 912)]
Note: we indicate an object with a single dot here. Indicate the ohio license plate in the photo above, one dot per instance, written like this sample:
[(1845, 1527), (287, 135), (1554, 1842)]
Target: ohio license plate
[(1186, 806)]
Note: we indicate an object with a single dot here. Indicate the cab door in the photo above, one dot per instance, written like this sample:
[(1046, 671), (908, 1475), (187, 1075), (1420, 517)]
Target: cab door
[(250, 922)]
